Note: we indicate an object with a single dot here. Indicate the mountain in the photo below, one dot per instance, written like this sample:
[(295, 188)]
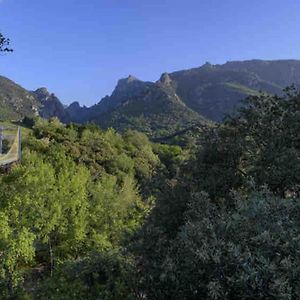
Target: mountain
[(280, 72), (212, 91), (50, 105), (126, 89), (216, 90), (15, 101), (175, 102), (77, 113), (154, 108)]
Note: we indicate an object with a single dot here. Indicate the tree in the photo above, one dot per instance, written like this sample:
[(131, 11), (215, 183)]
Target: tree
[(4, 44), (259, 144), (230, 242), (246, 252)]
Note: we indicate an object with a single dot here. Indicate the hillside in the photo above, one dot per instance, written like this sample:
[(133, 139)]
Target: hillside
[(153, 108), (215, 90), (212, 91), (175, 102), (50, 105), (15, 101)]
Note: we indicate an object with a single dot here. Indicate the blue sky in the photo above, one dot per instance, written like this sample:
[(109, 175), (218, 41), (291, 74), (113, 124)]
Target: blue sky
[(78, 49)]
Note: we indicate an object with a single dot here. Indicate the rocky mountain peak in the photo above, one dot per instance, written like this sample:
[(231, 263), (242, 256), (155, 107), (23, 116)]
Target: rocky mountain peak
[(74, 105), (131, 78), (208, 66), (165, 79), (50, 105), (128, 86), (126, 81), (42, 93)]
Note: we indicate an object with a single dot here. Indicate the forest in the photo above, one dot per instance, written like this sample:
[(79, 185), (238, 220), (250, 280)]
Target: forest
[(211, 214)]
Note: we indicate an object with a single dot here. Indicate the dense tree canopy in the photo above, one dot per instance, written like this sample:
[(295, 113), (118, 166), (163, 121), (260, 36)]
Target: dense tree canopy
[(78, 190), (226, 227), (259, 145), (92, 214)]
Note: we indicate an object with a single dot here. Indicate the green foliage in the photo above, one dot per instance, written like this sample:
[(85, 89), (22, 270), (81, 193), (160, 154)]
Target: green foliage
[(243, 89), (117, 210), (260, 145), (235, 243), (249, 252), (269, 128), (16, 248), (100, 276), (75, 192), (172, 157), (4, 44), (217, 166), (46, 210), (99, 215)]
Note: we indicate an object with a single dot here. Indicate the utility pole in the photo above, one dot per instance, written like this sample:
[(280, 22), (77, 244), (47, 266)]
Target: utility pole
[(1, 139)]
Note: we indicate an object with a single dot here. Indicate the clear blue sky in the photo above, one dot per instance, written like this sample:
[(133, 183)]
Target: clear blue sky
[(78, 49)]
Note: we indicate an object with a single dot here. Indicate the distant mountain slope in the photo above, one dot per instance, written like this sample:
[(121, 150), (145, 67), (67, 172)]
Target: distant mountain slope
[(15, 101), (175, 102), (212, 91), (278, 72), (50, 105), (125, 90), (153, 108), (215, 90)]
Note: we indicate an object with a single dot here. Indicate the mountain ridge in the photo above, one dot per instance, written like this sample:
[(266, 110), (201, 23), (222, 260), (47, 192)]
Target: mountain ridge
[(176, 100)]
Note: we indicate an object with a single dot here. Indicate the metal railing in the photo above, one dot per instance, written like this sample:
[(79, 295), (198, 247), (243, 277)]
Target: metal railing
[(14, 153)]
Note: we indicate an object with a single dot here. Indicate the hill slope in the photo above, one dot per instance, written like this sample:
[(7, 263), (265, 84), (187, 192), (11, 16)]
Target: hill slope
[(153, 108), (215, 90), (50, 105), (176, 101), (15, 101), (211, 91)]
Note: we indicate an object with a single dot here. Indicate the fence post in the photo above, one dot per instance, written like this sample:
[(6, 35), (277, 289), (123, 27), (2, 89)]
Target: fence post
[(1, 139), (20, 144)]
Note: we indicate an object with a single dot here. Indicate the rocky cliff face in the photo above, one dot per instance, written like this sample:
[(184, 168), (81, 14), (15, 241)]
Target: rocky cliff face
[(50, 105), (150, 107), (77, 113), (154, 108), (126, 89)]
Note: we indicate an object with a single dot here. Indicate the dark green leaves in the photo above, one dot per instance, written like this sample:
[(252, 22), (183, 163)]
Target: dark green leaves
[(4, 44)]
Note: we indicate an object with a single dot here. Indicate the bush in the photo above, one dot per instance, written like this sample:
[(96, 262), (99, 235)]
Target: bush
[(249, 252)]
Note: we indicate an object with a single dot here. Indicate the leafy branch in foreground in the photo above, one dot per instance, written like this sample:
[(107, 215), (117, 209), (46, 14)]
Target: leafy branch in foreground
[(4, 44)]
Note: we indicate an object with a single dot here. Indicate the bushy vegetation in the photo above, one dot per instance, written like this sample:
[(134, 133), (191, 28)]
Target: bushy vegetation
[(226, 226), (92, 214), (246, 252), (75, 192)]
